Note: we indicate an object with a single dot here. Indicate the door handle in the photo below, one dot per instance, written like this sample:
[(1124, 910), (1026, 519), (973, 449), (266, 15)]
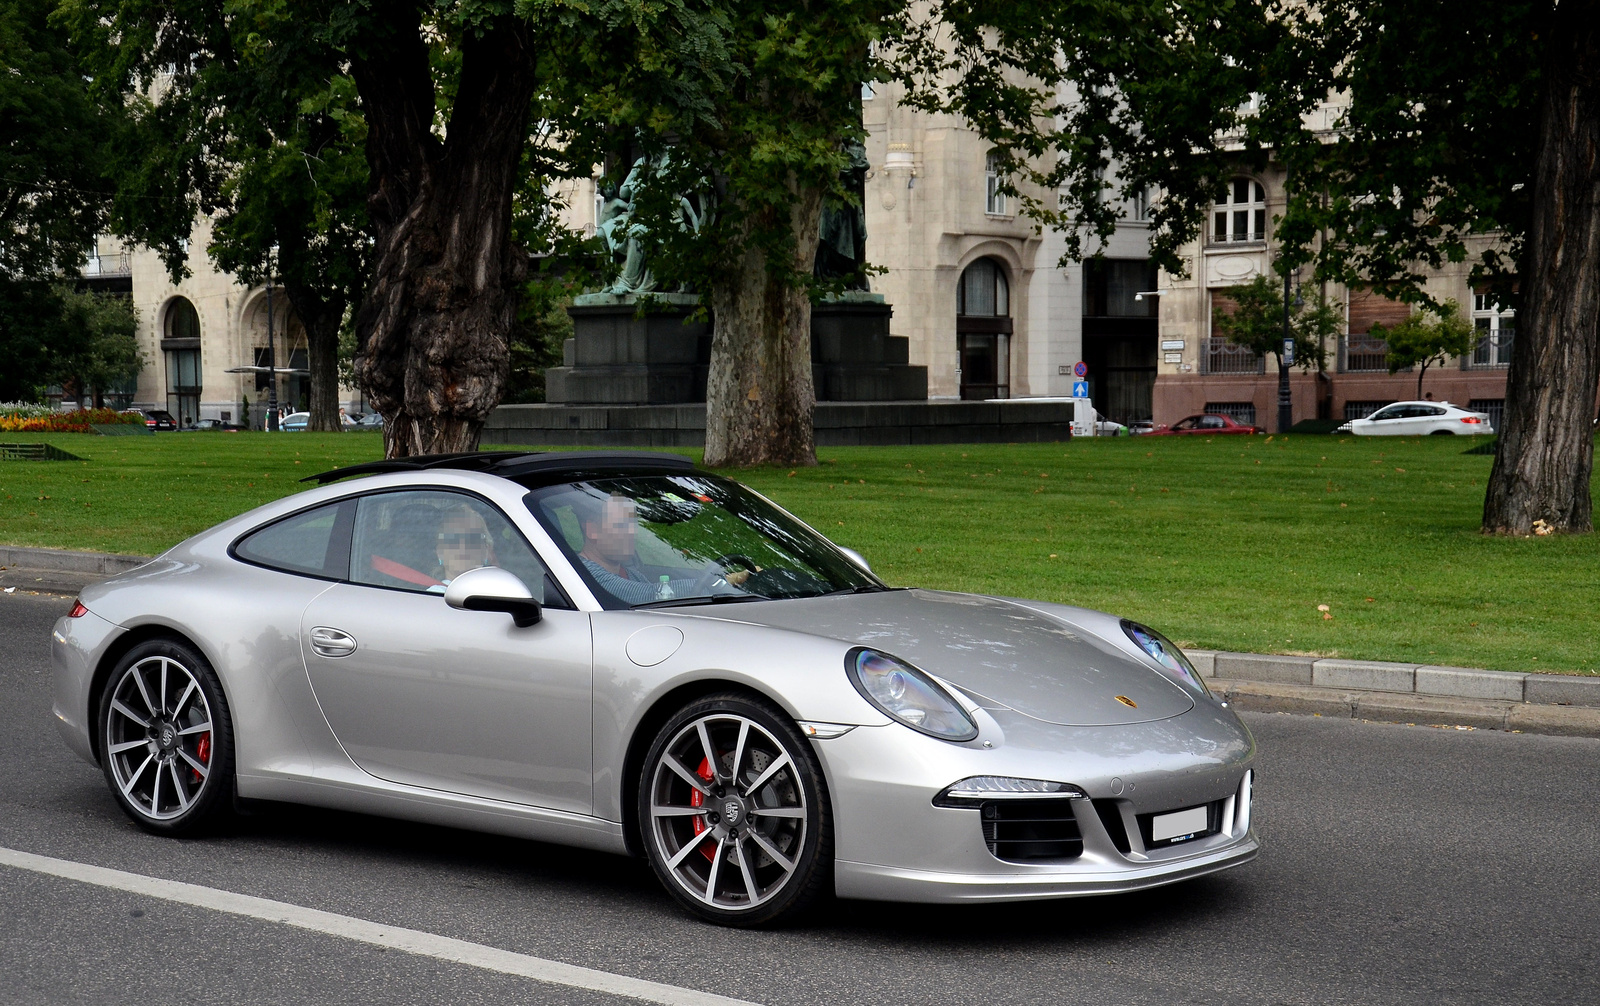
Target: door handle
[(330, 642)]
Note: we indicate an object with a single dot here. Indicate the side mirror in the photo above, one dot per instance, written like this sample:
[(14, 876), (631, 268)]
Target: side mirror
[(856, 557), (490, 588)]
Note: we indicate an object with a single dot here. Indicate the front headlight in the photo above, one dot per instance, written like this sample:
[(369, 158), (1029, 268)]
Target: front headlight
[(1164, 652), (908, 695)]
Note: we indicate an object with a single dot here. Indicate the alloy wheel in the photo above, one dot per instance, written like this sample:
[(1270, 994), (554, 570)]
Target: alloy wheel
[(158, 743), (727, 812)]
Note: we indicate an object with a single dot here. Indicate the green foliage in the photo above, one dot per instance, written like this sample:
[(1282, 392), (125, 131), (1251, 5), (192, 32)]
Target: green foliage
[(1425, 341), (53, 147), (1257, 324), (96, 350), (1435, 147)]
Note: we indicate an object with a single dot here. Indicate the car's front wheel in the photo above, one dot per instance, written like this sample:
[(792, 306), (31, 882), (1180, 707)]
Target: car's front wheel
[(166, 740), (733, 812)]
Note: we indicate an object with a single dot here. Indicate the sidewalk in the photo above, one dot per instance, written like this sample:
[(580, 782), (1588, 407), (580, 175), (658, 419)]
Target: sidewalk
[(1466, 697)]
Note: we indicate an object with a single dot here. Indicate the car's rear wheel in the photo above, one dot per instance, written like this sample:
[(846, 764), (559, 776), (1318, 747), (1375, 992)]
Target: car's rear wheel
[(166, 738), (733, 812)]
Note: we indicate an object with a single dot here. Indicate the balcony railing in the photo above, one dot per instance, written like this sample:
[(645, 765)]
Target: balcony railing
[(108, 265), (1224, 357)]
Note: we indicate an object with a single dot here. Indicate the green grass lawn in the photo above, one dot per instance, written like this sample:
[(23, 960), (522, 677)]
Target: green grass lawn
[(1230, 543)]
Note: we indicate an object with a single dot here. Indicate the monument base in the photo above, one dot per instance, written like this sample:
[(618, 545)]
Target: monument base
[(618, 356), (836, 424)]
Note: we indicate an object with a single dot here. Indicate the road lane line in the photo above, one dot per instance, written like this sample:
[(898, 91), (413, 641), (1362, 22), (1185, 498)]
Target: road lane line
[(411, 941)]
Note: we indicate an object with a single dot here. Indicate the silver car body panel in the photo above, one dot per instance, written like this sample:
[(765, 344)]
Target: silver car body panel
[(459, 718)]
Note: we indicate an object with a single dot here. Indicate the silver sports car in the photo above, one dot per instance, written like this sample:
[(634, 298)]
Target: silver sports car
[(620, 651)]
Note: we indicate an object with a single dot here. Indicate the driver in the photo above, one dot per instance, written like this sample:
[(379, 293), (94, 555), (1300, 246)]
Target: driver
[(610, 532)]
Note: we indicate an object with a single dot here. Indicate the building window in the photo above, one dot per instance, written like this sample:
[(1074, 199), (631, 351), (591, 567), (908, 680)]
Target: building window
[(984, 291), (1240, 412), (1496, 329), (1240, 213), (1111, 288), (181, 343), (1141, 205), (994, 201)]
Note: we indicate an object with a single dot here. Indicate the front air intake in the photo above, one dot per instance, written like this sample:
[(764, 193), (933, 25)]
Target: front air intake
[(1031, 830)]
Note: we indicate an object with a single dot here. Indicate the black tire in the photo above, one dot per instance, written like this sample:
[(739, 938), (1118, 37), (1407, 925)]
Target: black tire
[(775, 838), (166, 692)]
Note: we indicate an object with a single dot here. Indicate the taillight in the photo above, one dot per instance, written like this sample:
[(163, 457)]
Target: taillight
[(1471, 419), (78, 610)]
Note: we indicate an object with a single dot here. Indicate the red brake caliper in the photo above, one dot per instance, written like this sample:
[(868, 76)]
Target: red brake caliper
[(202, 753), (697, 799)]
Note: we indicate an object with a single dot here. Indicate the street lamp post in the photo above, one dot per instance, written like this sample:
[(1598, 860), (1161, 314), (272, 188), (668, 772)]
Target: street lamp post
[(272, 365), (1285, 361)]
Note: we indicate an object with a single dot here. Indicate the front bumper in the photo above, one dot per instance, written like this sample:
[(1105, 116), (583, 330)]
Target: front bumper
[(892, 843)]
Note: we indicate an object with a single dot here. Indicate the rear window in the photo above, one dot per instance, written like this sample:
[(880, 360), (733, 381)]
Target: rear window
[(313, 543)]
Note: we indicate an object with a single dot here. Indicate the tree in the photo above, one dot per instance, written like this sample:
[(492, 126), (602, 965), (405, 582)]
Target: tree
[(94, 349), (1257, 323), (762, 161), (237, 112), (53, 193), (1434, 161), (1420, 341)]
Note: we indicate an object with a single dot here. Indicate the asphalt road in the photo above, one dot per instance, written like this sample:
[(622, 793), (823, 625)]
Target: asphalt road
[(1402, 865)]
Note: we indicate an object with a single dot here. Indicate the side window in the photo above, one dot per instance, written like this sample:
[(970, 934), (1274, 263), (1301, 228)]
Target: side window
[(1187, 424), (422, 540), (313, 543), (1432, 410), (1211, 423), (1391, 412)]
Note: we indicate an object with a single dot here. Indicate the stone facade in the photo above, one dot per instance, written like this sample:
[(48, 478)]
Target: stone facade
[(192, 332)]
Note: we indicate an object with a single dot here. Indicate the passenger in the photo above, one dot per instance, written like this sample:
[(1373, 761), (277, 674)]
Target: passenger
[(463, 543)]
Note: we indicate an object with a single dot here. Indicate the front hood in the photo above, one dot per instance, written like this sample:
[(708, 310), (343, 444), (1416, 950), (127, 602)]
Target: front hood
[(1002, 654)]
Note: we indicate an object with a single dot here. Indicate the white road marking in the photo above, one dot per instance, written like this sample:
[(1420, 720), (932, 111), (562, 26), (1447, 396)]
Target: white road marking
[(411, 941)]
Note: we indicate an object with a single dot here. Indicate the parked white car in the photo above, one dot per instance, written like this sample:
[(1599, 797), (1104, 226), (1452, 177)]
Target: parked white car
[(1412, 419)]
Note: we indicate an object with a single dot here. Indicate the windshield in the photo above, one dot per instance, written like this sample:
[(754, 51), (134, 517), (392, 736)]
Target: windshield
[(675, 539)]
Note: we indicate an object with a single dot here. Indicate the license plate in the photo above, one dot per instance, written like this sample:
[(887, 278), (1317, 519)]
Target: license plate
[(1177, 824)]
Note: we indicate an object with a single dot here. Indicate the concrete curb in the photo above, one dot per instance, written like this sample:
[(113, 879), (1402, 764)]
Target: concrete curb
[(1418, 680), (1359, 689)]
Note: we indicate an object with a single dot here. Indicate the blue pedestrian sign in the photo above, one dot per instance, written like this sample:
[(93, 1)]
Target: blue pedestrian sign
[(1080, 389)]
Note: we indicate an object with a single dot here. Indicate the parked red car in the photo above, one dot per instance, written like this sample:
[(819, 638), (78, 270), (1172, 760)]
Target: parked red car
[(1207, 425)]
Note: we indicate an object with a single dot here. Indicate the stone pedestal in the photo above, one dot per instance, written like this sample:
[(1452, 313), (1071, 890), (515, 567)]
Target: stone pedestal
[(853, 356), (618, 356)]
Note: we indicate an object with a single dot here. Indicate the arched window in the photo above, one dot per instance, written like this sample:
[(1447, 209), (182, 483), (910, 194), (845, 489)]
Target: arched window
[(183, 321), (983, 331), (1240, 213), (180, 342), (984, 292)]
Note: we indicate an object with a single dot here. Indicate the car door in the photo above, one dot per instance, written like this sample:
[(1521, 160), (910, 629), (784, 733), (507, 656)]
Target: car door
[(1385, 421), (427, 695)]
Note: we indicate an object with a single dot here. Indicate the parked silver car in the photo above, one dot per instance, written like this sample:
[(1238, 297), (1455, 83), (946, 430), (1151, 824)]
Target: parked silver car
[(622, 652), (1414, 419)]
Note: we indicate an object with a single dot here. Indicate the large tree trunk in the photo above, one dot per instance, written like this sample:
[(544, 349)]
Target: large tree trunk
[(1546, 451), (760, 397), (434, 328), (321, 318)]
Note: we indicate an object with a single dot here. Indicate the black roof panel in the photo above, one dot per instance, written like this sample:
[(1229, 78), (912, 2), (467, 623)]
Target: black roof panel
[(515, 464)]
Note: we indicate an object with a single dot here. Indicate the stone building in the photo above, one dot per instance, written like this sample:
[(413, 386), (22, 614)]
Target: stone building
[(192, 333)]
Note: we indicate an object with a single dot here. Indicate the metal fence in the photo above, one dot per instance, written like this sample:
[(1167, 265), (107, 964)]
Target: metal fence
[(1225, 357), (1362, 354), (1495, 408), (1239, 412), (1361, 410)]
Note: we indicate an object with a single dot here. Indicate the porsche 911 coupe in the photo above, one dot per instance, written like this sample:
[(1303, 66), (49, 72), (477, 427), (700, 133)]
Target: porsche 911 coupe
[(620, 651)]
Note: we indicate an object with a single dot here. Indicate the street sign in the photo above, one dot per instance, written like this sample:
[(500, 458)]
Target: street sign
[(1080, 369), (1288, 352), (1080, 389)]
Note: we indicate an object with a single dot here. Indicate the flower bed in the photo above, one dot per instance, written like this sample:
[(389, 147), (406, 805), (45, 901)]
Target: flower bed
[(17, 417)]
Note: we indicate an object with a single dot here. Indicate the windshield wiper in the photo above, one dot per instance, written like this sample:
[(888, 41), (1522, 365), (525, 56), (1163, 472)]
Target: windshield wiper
[(673, 602), (865, 588)]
